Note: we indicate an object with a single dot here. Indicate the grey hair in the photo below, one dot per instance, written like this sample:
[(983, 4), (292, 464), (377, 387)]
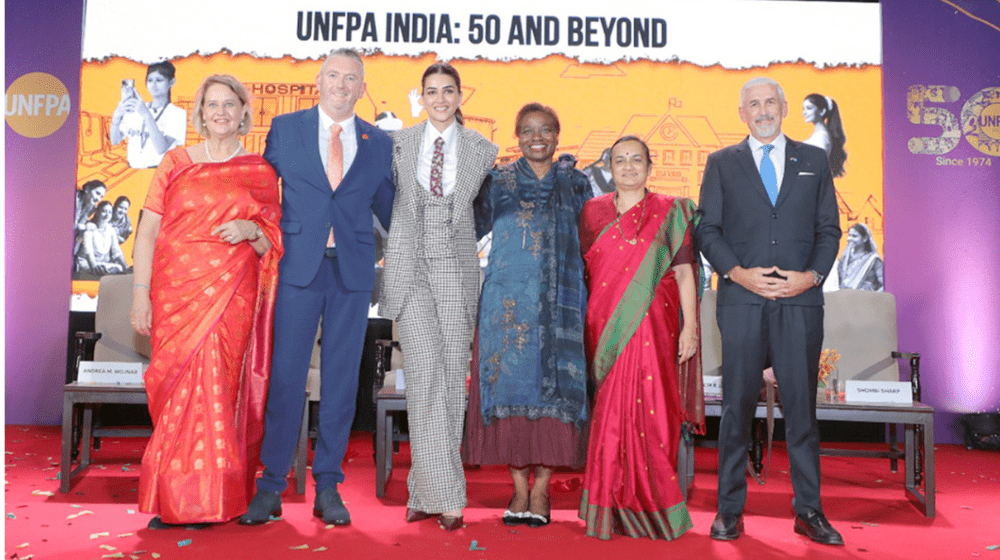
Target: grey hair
[(761, 81)]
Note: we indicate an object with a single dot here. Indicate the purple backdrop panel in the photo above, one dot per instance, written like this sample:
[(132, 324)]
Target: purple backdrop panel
[(941, 94), (40, 36)]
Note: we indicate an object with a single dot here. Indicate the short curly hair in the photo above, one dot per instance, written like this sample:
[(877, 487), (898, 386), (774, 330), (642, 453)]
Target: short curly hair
[(241, 91)]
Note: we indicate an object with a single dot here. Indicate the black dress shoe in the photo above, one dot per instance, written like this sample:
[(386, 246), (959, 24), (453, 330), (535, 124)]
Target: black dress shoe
[(157, 524), (511, 518), (815, 526), (414, 515), (263, 505), (535, 520), (330, 508), (727, 527)]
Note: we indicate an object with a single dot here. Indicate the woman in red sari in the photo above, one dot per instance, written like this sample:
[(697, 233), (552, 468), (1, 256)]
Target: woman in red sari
[(643, 349), (206, 261)]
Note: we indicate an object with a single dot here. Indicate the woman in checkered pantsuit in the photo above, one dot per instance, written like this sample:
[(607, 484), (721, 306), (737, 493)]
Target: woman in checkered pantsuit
[(431, 287)]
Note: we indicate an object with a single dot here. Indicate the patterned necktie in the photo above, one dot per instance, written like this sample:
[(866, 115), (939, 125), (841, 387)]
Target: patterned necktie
[(437, 167), (769, 175), (334, 166)]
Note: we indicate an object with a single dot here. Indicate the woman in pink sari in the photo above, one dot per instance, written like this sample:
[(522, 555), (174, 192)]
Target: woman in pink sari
[(206, 262), (643, 348)]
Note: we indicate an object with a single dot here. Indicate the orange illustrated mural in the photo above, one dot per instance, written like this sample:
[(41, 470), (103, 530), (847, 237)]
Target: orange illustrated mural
[(683, 111)]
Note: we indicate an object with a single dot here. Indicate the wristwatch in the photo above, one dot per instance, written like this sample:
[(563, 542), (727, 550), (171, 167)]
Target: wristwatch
[(817, 277)]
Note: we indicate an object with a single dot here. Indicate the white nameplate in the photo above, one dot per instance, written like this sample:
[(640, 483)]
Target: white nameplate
[(895, 392), (712, 385), (400, 381), (114, 373)]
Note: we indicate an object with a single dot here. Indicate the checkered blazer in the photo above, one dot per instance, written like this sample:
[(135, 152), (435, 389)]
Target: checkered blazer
[(476, 156)]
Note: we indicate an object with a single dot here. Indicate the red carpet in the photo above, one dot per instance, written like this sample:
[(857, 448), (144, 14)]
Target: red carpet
[(862, 498)]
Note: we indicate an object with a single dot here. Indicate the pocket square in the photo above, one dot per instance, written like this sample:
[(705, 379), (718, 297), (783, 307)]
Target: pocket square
[(806, 173)]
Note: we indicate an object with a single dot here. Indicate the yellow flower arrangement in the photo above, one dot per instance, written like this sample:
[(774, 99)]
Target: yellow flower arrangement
[(828, 359)]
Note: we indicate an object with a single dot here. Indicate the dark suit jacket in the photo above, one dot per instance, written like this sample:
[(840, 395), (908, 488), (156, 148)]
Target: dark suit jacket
[(309, 207), (739, 226)]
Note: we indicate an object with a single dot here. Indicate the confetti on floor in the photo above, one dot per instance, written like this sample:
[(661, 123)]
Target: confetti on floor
[(185, 542), (75, 515), (319, 549), (108, 547), (300, 547), (99, 535), (41, 493)]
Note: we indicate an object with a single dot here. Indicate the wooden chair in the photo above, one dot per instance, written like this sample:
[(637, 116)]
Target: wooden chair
[(114, 340)]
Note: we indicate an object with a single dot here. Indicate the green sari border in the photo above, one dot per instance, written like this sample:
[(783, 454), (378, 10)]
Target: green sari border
[(668, 524)]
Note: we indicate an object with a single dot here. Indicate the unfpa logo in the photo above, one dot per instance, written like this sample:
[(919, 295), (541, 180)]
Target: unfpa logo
[(981, 121), (37, 105)]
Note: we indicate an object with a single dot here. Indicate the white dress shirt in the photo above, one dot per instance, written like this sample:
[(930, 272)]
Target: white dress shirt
[(450, 169), (348, 139), (777, 155)]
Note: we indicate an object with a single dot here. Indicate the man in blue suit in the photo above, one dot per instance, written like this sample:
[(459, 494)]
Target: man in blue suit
[(771, 246), (335, 170)]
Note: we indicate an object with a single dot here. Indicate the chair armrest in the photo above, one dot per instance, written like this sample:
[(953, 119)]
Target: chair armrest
[(914, 358), (381, 345), (83, 339)]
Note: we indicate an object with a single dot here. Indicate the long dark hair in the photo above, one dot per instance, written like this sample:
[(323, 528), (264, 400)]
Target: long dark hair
[(449, 70), (164, 68), (97, 211), (831, 118)]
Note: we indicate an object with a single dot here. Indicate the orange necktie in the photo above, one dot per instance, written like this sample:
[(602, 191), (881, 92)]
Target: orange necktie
[(334, 166)]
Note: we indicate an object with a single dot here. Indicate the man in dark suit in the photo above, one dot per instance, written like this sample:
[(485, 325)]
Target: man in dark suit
[(335, 171), (771, 246)]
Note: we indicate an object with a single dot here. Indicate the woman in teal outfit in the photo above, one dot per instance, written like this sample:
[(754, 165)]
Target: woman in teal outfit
[(528, 393)]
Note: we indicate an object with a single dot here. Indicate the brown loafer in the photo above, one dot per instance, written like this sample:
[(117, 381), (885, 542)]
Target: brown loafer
[(451, 523), (414, 515)]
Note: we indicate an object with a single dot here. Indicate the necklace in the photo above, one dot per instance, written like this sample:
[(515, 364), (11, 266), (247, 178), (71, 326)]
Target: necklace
[(618, 221), (231, 156)]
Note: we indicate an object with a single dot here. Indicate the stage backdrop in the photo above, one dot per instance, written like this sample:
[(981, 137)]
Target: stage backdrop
[(942, 191), (668, 71)]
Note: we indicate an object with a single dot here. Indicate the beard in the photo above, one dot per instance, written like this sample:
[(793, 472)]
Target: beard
[(766, 126)]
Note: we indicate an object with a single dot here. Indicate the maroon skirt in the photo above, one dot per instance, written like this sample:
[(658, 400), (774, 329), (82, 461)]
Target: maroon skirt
[(518, 441)]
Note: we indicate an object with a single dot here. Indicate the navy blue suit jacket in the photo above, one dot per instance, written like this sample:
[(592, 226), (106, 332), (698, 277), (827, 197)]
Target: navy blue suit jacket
[(740, 226), (309, 207)]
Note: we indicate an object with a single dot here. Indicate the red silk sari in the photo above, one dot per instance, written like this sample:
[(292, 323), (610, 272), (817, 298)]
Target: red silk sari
[(633, 321), (213, 309)]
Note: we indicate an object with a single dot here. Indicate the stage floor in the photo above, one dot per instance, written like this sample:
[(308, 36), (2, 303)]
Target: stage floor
[(862, 498)]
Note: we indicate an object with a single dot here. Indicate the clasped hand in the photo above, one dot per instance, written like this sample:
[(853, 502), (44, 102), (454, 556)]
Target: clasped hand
[(236, 231), (772, 283)]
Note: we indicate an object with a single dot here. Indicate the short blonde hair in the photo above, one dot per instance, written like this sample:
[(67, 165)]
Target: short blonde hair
[(198, 120)]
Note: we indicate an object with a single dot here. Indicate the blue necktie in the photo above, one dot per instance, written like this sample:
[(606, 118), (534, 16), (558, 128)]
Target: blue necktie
[(769, 175)]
